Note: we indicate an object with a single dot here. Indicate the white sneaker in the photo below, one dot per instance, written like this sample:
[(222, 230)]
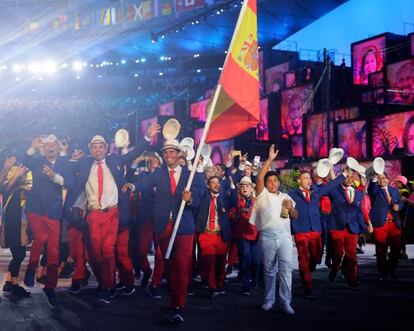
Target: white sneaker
[(287, 309), (267, 306)]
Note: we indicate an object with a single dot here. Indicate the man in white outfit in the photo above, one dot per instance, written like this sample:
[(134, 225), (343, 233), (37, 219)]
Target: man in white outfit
[(271, 215)]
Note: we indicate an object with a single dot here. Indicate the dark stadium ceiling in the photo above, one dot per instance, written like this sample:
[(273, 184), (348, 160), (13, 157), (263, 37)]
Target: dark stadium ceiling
[(277, 20)]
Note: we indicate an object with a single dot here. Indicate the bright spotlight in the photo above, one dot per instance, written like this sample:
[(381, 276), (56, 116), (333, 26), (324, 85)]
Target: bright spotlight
[(16, 68), (34, 67), (77, 66), (123, 61), (49, 67), (143, 60), (160, 73)]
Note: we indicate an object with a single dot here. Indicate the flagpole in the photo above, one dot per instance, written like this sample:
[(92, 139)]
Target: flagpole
[(203, 137)]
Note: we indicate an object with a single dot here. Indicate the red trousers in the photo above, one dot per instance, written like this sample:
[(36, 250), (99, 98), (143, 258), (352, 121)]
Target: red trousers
[(388, 235), (233, 257), (103, 231), (45, 230), (145, 238), (343, 242), (309, 246), (178, 266), (123, 260), (78, 253), (213, 259)]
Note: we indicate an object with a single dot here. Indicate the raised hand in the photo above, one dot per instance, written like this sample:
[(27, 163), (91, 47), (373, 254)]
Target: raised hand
[(273, 152), (20, 171), (153, 130), (243, 158), (37, 143), (63, 146), (77, 154), (9, 163)]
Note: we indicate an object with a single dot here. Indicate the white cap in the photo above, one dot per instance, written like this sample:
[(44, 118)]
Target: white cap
[(97, 139), (172, 143), (246, 180), (247, 163)]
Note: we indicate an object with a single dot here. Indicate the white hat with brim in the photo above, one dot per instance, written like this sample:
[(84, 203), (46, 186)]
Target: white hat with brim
[(246, 180), (187, 141), (97, 140), (352, 163), (323, 168), (172, 143), (171, 129), (248, 163), (189, 152), (379, 165), (122, 138), (206, 151), (335, 155)]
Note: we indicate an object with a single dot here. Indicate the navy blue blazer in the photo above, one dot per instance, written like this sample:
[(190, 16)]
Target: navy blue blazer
[(145, 201), (224, 203), (343, 213), (166, 202), (45, 197), (309, 217), (379, 204)]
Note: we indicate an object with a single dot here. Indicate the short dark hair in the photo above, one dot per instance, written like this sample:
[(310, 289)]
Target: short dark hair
[(270, 174), (211, 178), (222, 166)]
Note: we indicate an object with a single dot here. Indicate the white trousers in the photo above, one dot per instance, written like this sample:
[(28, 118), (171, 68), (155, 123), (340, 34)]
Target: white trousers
[(276, 255)]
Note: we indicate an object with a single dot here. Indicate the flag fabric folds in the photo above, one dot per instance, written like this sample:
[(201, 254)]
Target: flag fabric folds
[(238, 106)]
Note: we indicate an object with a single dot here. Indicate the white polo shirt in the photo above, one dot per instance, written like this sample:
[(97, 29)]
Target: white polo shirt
[(266, 213)]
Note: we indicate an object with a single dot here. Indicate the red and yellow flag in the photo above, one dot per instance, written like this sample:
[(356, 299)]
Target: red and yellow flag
[(238, 106)]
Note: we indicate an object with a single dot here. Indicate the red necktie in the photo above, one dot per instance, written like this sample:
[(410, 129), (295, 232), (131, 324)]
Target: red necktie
[(212, 219), (307, 195), (387, 195), (348, 198), (173, 184), (100, 182)]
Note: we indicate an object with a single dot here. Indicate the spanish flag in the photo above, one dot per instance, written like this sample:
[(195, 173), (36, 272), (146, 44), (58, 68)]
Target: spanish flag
[(237, 106)]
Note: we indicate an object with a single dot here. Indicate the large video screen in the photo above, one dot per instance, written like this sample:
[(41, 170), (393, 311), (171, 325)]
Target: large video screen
[(316, 136), (262, 129), (338, 115), (367, 57), (296, 102), (275, 77), (352, 138), (199, 110), (297, 145), (400, 78), (220, 150), (167, 109), (145, 124), (393, 131)]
